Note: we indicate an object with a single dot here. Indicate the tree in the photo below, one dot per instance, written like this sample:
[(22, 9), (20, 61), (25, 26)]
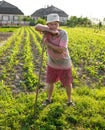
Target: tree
[(30, 20), (40, 20), (74, 21), (100, 25), (27, 18)]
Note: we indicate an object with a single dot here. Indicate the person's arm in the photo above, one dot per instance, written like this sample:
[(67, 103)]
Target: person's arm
[(58, 49), (62, 45), (44, 28)]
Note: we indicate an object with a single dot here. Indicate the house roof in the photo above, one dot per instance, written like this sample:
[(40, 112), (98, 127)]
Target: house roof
[(43, 12), (7, 8)]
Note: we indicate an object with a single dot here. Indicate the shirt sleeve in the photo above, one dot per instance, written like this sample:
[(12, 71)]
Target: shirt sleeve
[(64, 39)]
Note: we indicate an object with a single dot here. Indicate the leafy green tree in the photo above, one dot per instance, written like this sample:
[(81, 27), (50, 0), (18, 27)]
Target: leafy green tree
[(27, 18), (30, 20), (100, 25), (40, 20), (74, 21)]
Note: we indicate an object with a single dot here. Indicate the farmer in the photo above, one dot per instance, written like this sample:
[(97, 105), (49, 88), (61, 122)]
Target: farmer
[(59, 66)]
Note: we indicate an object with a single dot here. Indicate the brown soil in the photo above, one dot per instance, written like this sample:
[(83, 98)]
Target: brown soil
[(5, 36)]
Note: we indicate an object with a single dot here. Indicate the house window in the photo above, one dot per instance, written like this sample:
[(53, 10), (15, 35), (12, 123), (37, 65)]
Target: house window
[(15, 18), (0, 17), (5, 18)]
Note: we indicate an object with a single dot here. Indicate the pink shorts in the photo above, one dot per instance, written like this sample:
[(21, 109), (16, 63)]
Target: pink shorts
[(53, 75)]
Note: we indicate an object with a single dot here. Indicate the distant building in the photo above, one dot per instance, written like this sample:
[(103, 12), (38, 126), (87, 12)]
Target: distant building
[(10, 14), (43, 12)]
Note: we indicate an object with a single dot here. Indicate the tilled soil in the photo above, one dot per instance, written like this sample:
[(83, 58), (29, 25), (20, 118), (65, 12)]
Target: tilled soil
[(5, 36)]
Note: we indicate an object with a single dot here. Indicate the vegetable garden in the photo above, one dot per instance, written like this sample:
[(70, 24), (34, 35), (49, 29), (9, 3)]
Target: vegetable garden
[(19, 68)]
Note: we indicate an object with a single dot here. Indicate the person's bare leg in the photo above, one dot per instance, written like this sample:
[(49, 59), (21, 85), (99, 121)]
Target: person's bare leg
[(50, 90), (68, 91)]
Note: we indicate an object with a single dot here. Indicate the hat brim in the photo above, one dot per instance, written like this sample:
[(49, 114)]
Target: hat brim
[(51, 22)]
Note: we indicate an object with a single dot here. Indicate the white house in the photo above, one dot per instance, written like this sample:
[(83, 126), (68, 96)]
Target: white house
[(10, 14)]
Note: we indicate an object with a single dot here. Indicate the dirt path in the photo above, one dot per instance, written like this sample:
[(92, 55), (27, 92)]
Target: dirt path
[(37, 62)]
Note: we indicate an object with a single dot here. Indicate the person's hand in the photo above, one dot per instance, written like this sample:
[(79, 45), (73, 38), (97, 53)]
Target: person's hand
[(45, 40), (54, 32)]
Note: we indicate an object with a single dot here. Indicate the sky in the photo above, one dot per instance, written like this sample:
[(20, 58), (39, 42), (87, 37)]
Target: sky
[(84, 8)]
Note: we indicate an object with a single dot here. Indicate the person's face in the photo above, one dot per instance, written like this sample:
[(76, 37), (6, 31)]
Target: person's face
[(53, 25)]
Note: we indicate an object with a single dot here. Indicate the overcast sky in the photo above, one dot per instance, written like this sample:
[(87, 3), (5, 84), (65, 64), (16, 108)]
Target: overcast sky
[(84, 8)]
